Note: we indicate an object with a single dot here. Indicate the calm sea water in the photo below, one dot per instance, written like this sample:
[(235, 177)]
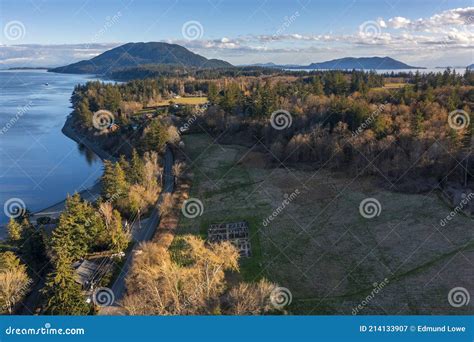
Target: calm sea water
[(38, 164)]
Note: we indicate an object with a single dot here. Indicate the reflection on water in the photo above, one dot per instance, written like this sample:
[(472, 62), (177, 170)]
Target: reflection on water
[(38, 164), (90, 156)]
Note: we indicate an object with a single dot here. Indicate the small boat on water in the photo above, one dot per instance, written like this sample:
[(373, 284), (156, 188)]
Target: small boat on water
[(46, 84)]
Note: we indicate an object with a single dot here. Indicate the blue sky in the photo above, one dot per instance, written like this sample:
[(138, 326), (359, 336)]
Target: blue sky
[(419, 32)]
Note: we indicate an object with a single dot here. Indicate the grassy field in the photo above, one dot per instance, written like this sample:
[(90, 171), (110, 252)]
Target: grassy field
[(227, 192), (395, 85), (184, 101), (189, 101), (320, 247)]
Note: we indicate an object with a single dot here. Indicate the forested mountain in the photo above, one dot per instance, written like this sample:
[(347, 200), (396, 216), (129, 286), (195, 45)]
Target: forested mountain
[(136, 54), (370, 63)]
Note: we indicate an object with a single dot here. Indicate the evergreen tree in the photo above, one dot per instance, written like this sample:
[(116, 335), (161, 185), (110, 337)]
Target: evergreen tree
[(14, 230), (156, 136), (418, 122), (64, 295), (121, 185), (9, 261), (78, 229), (136, 170), (112, 98), (83, 114), (119, 239), (95, 229), (213, 93), (108, 180), (114, 183), (124, 164), (33, 247), (229, 101), (318, 88)]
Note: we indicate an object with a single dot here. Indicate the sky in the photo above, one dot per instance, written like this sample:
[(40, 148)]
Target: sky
[(426, 33)]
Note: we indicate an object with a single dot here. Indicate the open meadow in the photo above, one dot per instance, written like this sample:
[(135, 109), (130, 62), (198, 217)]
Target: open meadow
[(319, 246)]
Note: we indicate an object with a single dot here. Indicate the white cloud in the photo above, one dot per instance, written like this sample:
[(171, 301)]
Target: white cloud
[(411, 39), (49, 55), (399, 22), (461, 17), (381, 23)]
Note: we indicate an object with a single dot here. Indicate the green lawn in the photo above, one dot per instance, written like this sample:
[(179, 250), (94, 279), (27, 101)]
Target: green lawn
[(227, 193)]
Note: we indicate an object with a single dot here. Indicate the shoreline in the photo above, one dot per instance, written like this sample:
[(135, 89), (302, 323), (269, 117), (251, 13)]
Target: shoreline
[(69, 132), (94, 190)]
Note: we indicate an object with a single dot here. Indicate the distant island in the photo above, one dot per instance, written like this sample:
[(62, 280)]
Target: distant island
[(27, 68), (139, 54), (134, 59), (349, 63), (455, 67)]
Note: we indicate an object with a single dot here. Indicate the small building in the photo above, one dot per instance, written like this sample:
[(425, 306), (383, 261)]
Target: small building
[(113, 127), (236, 233), (90, 272)]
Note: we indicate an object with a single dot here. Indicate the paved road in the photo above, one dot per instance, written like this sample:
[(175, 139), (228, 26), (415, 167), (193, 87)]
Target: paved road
[(146, 232)]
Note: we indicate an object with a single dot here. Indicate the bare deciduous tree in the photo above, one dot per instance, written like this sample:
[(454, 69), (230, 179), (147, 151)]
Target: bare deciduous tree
[(106, 210), (167, 204), (250, 298), (187, 280), (14, 281)]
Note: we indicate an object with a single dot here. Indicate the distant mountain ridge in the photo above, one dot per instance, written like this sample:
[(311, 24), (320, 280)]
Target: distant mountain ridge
[(136, 54), (273, 65), (349, 63)]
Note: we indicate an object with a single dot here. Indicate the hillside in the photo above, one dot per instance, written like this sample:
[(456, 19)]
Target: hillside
[(137, 54), (348, 63), (362, 63)]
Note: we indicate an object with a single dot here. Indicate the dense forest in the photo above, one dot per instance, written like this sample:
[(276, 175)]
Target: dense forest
[(345, 120), (413, 130)]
